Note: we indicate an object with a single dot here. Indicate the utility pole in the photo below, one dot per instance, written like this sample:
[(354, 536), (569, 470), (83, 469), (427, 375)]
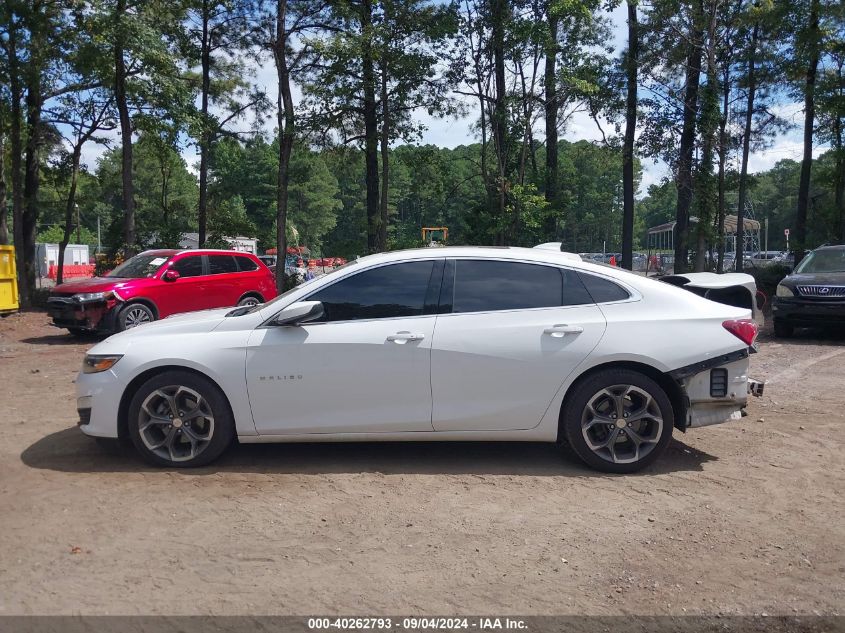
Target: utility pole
[(76, 207), (98, 232)]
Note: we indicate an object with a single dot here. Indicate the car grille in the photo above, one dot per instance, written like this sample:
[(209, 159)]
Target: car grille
[(822, 291)]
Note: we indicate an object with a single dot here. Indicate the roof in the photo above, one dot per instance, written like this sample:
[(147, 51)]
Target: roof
[(169, 252), (539, 255), (730, 225)]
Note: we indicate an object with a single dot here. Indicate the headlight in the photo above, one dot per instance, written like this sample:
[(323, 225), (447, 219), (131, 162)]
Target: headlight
[(95, 363), (783, 291), (87, 297)]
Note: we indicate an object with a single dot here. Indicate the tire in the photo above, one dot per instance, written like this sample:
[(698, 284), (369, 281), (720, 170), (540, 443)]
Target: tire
[(180, 441), (652, 420), (133, 315), (783, 329), (250, 300)]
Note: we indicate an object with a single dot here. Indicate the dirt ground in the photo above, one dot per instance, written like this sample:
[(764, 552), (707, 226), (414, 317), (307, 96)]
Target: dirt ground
[(742, 518)]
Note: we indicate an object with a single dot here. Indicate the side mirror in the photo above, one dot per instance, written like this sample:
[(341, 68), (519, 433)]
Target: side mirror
[(299, 312), (171, 275)]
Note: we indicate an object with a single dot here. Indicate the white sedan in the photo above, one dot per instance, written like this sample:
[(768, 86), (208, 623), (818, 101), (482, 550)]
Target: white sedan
[(449, 344)]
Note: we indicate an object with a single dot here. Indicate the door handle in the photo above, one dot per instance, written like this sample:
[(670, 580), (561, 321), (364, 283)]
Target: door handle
[(400, 338), (560, 330)]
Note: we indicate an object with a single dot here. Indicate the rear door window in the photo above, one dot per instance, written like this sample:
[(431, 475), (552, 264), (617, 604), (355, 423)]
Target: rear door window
[(219, 264), (489, 285)]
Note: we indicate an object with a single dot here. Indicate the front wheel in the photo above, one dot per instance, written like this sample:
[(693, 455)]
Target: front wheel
[(618, 420), (180, 419), (133, 315)]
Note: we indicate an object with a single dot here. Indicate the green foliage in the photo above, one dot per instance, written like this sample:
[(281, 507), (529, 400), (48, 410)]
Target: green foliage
[(54, 234), (228, 219)]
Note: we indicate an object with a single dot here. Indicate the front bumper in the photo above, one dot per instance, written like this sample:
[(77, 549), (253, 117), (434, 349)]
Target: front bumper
[(99, 316), (97, 403), (808, 312)]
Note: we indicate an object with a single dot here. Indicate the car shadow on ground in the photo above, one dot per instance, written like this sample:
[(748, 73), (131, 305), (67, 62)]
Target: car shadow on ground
[(70, 451), (806, 336), (63, 339)]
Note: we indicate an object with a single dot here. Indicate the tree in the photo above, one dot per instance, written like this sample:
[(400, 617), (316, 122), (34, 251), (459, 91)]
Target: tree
[(139, 40), (217, 39), (628, 143), (807, 52)]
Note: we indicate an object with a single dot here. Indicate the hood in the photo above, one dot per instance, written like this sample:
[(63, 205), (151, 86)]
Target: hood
[(94, 284), (815, 279), (186, 323)]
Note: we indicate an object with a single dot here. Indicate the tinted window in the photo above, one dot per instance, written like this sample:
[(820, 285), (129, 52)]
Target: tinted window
[(603, 290), (481, 286), (190, 266), (246, 264), (396, 290), (218, 264)]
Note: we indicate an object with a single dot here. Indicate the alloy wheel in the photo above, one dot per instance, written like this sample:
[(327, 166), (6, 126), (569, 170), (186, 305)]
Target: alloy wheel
[(136, 316), (622, 424), (175, 423)]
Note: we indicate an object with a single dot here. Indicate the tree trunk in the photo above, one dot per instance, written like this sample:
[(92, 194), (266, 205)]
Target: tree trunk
[(286, 123), (4, 215), (500, 113), (374, 243), (125, 133), (800, 241), (710, 115), (385, 159), (32, 176), (16, 96), (687, 145), (69, 208), (628, 142), (723, 155), (839, 190), (205, 54), (746, 148)]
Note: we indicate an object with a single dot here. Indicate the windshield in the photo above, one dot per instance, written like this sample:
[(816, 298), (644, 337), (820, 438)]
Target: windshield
[(826, 261), (143, 265), (261, 306)]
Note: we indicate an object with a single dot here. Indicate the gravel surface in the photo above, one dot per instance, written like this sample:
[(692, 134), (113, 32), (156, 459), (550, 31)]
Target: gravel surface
[(742, 518)]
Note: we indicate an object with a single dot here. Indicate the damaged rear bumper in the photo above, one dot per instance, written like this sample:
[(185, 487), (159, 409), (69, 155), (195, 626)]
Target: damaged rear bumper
[(717, 390)]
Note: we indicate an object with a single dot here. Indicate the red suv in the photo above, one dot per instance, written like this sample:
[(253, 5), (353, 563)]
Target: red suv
[(155, 284)]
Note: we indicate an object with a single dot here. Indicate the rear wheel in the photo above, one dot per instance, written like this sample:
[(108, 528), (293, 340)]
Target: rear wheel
[(180, 419), (133, 315), (783, 330), (618, 420)]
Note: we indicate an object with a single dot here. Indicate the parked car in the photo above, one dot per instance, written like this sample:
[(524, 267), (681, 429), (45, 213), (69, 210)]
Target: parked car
[(156, 284), (814, 294), (529, 344)]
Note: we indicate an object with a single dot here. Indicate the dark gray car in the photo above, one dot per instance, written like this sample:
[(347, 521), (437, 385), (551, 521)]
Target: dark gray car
[(814, 294)]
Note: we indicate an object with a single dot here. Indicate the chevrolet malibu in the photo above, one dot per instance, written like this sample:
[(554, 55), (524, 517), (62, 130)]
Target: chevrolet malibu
[(449, 344)]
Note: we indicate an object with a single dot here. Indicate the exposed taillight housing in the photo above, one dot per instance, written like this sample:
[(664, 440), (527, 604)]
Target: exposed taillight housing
[(744, 329)]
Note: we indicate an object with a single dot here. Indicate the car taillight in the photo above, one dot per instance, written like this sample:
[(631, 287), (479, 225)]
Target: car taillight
[(744, 329)]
